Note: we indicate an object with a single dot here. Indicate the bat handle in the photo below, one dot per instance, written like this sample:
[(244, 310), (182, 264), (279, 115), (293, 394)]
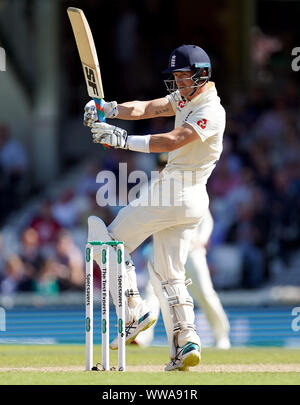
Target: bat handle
[(100, 113), (100, 109)]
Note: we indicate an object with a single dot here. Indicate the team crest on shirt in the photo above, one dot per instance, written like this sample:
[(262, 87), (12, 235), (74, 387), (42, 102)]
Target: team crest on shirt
[(202, 123), (181, 103)]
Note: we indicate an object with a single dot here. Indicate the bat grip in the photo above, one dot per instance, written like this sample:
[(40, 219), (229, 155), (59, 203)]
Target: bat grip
[(100, 109), (100, 113)]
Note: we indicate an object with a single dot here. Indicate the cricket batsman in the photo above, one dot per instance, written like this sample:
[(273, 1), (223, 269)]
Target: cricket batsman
[(194, 146)]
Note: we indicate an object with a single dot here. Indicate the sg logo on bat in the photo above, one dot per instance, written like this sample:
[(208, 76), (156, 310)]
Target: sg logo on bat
[(91, 80)]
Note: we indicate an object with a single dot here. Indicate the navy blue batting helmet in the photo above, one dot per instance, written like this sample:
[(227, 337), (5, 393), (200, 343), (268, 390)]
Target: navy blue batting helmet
[(189, 57)]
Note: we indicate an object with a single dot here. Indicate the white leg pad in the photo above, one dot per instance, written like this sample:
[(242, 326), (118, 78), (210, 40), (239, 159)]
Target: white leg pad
[(178, 319), (137, 307), (164, 305), (181, 307), (145, 338)]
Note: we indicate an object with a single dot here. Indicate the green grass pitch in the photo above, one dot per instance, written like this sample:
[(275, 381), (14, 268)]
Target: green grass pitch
[(64, 365)]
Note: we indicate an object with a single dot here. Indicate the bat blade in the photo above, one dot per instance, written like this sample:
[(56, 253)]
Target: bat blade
[(88, 56)]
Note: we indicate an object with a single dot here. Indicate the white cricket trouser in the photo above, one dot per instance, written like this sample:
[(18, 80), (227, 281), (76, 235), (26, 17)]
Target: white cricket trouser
[(201, 289), (172, 227)]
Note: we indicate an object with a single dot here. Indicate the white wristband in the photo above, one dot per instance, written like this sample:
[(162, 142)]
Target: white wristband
[(139, 143)]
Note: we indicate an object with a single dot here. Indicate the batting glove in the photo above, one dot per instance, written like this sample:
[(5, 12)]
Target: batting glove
[(109, 135), (90, 112)]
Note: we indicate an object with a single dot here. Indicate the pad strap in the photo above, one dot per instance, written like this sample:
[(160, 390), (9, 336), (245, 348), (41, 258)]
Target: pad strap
[(182, 326), (175, 300), (131, 293)]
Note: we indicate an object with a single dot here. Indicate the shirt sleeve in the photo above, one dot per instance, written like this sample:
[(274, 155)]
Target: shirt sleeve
[(206, 123)]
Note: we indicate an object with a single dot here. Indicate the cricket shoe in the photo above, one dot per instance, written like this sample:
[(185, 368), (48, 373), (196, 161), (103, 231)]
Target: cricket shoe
[(186, 356), (134, 328)]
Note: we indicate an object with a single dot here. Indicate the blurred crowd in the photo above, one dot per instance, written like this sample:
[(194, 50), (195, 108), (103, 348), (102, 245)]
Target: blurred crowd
[(47, 259), (254, 190), (254, 193)]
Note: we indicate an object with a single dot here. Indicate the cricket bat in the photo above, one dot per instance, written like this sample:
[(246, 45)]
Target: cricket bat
[(88, 56)]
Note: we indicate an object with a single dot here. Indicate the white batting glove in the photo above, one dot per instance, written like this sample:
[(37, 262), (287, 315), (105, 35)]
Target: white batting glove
[(110, 109), (109, 135), (90, 112)]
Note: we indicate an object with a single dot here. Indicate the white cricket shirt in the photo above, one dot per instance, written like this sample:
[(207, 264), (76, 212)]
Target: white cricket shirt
[(207, 116)]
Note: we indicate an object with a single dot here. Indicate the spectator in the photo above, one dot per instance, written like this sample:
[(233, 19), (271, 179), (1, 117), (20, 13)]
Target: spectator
[(46, 282), (87, 183), (45, 225), (14, 274), (65, 211), (13, 157), (245, 233), (285, 205), (31, 257), (225, 180), (69, 262)]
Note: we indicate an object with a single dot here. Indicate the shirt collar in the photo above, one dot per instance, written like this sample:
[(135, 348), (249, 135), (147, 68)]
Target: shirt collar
[(211, 90)]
